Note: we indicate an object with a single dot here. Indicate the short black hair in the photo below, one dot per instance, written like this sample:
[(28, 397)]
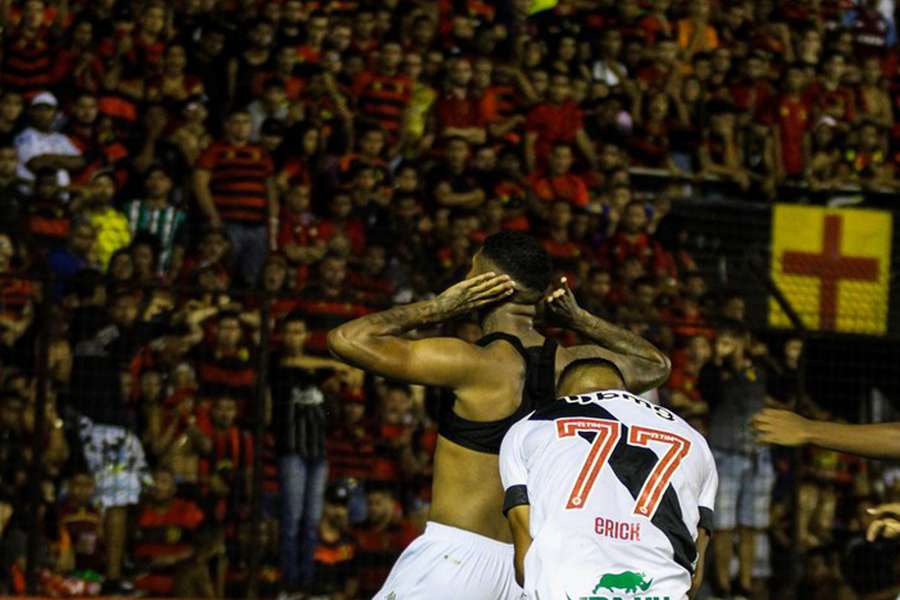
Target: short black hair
[(579, 372), (524, 259)]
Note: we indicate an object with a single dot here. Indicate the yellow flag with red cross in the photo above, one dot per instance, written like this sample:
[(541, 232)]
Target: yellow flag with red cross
[(833, 266)]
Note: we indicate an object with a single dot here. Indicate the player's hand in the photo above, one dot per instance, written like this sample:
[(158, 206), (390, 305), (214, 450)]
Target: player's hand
[(887, 522), (781, 427), (469, 294), (562, 304)]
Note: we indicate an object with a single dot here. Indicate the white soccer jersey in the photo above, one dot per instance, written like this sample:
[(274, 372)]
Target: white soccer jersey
[(618, 488)]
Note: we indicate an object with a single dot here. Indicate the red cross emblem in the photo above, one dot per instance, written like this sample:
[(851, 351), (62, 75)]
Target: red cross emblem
[(830, 267)]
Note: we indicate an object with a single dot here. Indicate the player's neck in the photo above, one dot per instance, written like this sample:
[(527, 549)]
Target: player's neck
[(512, 318)]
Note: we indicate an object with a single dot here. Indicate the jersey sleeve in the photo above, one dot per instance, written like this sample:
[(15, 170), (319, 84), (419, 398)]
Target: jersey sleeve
[(513, 473), (707, 500)]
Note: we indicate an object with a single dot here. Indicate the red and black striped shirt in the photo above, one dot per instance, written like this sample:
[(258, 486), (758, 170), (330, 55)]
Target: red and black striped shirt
[(27, 63), (383, 99), (325, 313), (232, 448), (351, 452), (238, 184), (166, 532)]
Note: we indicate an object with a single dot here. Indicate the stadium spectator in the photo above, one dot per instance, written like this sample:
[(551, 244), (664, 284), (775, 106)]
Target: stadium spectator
[(48, 219), (77, 255), (873, 32), (28, 50), (719, 153), (155, 214), (39, 146), (695, 33), (172, 433), (82, 521), (116, 460), (557, 120), (273, 105), (457, 110), (343, 231), (11, 106), (299, 234), (335, 556), (165, 543), (230, 458), (299, 412), (734, 388), (226, 365), (83, 129), (456, 185), (380, 539), (372, 282), (152, 144), (11, 197), (383, 95), (234, 188), (110, 225), (684, 383), (559, 183), (631, 240)]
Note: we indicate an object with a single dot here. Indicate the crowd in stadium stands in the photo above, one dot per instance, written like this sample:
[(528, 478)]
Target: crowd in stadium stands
[(166, 162)]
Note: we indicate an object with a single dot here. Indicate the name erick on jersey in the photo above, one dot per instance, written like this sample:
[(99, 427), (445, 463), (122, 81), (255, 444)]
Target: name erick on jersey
[(618, 488)]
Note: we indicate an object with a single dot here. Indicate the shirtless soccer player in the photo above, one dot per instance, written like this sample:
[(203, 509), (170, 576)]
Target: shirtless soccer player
[(607, 495), (465, 552)]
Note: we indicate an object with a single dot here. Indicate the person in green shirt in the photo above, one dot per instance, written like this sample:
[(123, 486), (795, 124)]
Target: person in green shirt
[(158, 215)]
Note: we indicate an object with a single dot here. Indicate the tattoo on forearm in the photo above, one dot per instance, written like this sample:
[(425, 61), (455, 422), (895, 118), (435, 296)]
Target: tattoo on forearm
[(402, 319), (615, 338)]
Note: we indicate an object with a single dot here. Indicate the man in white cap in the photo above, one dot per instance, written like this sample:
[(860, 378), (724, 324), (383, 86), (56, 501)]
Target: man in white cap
[(39, 146)]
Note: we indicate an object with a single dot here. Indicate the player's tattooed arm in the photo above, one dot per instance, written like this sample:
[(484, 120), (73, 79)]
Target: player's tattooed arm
[(456, 300), (375, 342), (642, 365)]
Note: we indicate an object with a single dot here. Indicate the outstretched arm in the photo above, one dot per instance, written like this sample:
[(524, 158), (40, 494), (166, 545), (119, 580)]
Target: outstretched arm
[(641, 364), (784, 428), (375, 342)]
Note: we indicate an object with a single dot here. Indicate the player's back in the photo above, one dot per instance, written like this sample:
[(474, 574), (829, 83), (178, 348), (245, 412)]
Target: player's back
[(466, 490), (618, 488)]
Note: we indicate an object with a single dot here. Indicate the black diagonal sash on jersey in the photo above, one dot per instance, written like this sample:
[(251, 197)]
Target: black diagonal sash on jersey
[(632, 466)]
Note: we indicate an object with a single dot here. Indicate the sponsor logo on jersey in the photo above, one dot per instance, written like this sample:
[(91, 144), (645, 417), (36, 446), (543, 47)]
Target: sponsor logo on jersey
[(627, 581), (617, 530), (628, 585)]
